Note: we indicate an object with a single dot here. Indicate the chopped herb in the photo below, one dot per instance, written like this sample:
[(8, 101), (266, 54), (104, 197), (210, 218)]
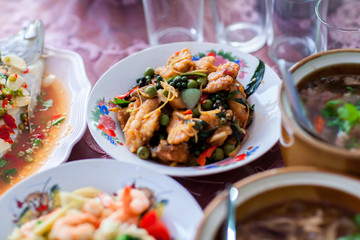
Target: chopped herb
[(243, 102), (121, 102), (7, 173), (48, 103), (351, 89), (39, 99), (233, 93), (341, 115), (256, 79), (59, 120), (3, 163)]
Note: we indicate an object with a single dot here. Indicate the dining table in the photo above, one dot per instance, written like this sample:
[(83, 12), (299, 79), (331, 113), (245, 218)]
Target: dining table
[(104, 32)]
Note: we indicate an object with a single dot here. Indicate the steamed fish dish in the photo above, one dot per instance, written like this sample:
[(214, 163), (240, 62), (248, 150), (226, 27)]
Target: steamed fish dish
[(90, 214), (187, 112), (33, 103), (19, 85)]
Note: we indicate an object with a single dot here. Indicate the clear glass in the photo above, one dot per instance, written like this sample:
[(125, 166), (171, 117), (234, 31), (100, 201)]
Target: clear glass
[(240, 23), (292, 30), (174, 20), (338, 24)]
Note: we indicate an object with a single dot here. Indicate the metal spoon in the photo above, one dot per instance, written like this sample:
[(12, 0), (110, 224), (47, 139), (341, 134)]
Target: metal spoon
[(230, 227), (296, 105)]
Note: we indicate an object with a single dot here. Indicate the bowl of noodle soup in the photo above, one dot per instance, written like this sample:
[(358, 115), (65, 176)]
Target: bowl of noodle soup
[(288, 203)]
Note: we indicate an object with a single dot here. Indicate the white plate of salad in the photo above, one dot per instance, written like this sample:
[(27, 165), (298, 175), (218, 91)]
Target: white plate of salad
[(105, 192)]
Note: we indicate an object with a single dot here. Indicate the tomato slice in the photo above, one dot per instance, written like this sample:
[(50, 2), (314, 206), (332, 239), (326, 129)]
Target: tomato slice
[(154, 226)]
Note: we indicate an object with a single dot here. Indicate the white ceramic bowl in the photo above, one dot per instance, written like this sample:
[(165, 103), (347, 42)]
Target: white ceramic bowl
[(182, 214), (263, 133), (263, 190)]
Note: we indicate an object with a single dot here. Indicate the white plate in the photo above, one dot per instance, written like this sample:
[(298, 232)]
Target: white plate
[(182, 214), (68, 66), (264, 131)]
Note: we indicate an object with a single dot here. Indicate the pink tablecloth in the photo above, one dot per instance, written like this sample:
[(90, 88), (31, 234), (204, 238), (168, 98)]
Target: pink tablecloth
[(103, 32)]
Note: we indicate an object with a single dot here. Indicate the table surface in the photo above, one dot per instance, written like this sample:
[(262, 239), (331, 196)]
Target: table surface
[(104, 32)]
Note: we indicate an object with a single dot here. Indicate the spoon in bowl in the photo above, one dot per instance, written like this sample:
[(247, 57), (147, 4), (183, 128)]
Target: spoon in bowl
[(230, 227), (296, 105)]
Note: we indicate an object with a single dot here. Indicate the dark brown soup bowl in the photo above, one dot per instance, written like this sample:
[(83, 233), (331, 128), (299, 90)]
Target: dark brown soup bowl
[(273, 187), (300, 148)]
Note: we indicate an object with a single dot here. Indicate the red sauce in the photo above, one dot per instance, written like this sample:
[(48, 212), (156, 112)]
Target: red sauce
[(49, 136)]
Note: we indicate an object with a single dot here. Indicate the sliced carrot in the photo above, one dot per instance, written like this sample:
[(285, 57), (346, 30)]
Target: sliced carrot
[(319, 124)]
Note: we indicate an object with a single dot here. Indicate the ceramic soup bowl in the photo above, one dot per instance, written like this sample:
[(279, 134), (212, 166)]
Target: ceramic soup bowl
[(262, 191), (300, 148)]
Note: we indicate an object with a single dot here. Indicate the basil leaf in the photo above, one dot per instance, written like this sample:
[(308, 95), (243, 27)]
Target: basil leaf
[(255, 79), (121, 102), (243, 102)]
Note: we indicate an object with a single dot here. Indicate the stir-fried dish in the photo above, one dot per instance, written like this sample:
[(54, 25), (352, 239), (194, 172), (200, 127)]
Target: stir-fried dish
[(332, 98), (187, 112), (90, 214), (301, 220)]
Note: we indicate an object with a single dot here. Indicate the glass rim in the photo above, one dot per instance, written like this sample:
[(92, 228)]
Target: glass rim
[(320, 18)]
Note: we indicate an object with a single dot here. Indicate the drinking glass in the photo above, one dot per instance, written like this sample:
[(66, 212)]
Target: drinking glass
[(292, 30), (174, 20), (240, 23), (338, 24)]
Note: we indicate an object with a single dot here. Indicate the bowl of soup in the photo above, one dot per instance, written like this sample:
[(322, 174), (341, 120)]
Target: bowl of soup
[(288, 203), (329, 86)]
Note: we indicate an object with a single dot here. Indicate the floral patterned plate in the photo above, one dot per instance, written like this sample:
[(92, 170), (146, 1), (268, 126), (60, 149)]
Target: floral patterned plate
[(37, 194), (263, 133)]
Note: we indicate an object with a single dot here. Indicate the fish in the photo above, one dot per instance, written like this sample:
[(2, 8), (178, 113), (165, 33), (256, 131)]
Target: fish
[(22, 68)]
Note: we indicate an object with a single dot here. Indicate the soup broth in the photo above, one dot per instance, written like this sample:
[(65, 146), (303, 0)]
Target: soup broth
[(298, 220), (331, 98)]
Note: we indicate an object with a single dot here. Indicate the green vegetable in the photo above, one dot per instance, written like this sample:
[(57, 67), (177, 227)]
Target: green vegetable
[(126, 237), (47, 104), (149, 72), (59, 120), (164, 120), (151, 90), (244, 102), (193, 73), (255, 79), (341, 115), (37, 142), (218, 154), (2, 112), (165, 93), (3, 163), (23, 117), (7, 173), (191, 97), (207, 105), (223, 121), (120, 102), (143, 152), (202, 81), (192, 84), (196, 112), (228, 148)]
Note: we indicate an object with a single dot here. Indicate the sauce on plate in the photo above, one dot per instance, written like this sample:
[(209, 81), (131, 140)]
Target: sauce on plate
[(32, 149)]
